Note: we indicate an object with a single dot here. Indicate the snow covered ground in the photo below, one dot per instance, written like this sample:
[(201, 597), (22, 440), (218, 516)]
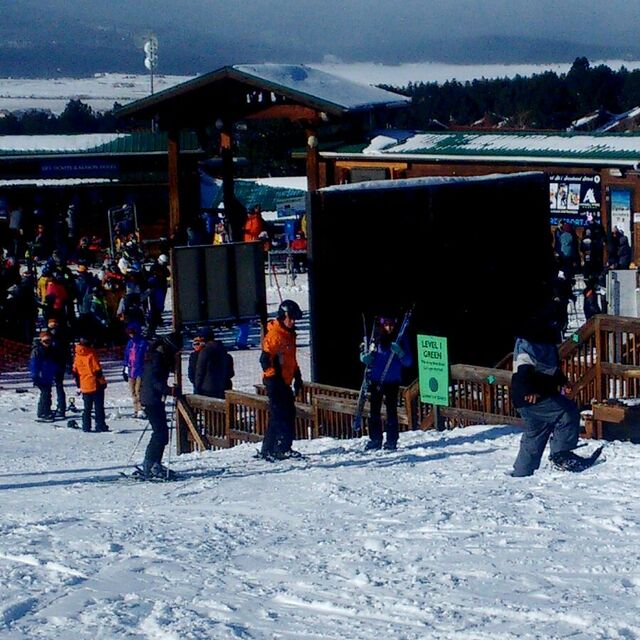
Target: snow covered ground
[(430, 541), (103, 89)]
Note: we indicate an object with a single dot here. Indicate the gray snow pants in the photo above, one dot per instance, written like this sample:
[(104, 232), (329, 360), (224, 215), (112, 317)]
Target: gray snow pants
[(557, 418)]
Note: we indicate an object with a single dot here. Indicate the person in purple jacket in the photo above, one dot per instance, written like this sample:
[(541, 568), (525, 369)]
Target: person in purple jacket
[(385, 361), (134, 356)]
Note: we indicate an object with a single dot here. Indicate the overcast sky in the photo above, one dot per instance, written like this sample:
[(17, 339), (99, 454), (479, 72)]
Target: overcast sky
[(234, 31)]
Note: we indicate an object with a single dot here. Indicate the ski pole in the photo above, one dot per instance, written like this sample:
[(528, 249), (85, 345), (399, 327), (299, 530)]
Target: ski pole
[(170, 421), (137, 444), (275, 275)]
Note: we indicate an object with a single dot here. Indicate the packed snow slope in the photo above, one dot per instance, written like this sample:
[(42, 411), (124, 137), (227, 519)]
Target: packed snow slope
[(430, 541)]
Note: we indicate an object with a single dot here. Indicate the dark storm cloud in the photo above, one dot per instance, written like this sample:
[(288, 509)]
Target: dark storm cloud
[(197, 35)]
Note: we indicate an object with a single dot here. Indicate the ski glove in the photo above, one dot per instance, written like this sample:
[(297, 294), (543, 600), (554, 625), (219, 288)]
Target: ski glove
[(397, 349), (367, 357), (297, 382)]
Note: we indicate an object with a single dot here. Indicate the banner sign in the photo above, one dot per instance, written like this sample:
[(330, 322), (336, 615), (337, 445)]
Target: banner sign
[(574, 199), (433, 370), (621, 210), (76, 168)]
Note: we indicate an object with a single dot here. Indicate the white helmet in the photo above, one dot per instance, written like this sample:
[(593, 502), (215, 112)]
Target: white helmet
[(163, 258)]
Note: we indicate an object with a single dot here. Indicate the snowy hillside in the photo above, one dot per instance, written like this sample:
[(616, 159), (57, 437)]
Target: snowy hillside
[(431, 541)]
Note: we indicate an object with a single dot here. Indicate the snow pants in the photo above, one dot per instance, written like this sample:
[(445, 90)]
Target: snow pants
[(44, 401), (557, 418), (157, 416), (93, 401), (61, 397), (282, 416), (389, 392)]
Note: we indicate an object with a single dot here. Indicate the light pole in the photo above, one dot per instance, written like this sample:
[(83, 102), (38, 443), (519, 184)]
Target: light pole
[(151, 56)]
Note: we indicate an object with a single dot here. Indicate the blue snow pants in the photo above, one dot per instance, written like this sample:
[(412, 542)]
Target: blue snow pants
[(557, 418)]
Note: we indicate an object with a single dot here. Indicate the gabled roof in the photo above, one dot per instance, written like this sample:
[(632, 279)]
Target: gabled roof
[(229, 89), (92, 144), (531, 147)]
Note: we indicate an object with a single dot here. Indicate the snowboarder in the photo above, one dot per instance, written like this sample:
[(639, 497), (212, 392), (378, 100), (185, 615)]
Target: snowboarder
[(536, 393), (385, 364), (89, 378), (160, 363), (280, 366)]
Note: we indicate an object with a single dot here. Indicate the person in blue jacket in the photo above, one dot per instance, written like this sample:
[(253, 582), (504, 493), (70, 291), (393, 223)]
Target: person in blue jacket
[(135, 353), (44, 367), (385, 361)]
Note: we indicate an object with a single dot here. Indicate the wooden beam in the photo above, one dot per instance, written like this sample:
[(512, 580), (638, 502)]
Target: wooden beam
[(174, 179), (188, 417), (293, 112), (313, 161)]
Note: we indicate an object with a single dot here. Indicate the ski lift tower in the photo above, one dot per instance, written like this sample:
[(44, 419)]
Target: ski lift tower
[(151, 56)]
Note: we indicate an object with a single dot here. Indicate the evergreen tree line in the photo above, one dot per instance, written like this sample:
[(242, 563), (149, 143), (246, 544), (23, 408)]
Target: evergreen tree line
[(541, 101)]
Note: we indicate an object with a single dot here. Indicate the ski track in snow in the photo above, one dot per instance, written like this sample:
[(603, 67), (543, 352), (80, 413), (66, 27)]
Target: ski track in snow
[(429, 541)]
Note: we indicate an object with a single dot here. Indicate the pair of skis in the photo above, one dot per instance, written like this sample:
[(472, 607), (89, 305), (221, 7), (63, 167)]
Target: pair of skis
[(368, 347)]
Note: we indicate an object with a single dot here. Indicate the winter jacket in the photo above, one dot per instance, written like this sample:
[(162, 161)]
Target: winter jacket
[(59, 293), (253, 225), (87, 369), (279, 352), (134, 356), (383, 355), (624, 253), (536, 370), (43, 365), (212, 371), (154, 377)]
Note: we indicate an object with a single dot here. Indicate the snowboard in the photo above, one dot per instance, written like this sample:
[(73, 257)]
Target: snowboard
[(570, 461)]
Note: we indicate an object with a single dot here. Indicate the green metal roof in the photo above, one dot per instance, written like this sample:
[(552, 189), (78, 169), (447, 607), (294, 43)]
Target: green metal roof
[(497, 146), (268, 197), (93, 144)]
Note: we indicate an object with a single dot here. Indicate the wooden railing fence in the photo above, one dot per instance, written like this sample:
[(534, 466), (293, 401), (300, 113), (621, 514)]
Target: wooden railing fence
[(601, 360)]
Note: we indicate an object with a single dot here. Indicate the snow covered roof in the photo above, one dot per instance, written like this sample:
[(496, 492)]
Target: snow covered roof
[(500, 147), (300, 84), (92, 144)]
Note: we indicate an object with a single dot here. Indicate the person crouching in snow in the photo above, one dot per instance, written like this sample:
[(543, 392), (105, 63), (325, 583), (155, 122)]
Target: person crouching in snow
[(160, 363), (386, 362), (135, 353), (538, 392), (89, 378)]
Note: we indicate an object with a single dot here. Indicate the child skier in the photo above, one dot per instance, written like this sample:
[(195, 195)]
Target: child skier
[(134, 355), (43, 367), (87, 372)]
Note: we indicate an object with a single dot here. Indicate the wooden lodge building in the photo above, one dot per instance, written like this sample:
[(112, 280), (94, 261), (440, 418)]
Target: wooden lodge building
[(590, 175)]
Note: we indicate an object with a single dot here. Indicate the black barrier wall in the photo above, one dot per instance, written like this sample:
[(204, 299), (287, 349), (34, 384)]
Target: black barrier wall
[(218, 283), (471, 253)]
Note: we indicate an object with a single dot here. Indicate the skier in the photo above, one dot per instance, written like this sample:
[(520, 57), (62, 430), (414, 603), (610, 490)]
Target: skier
[(134, 356), (43, 367), (160, 363), (197, 343), (280, 366), (62, 353), (214, 367), (548, 413), (385, 362), (89, 378)]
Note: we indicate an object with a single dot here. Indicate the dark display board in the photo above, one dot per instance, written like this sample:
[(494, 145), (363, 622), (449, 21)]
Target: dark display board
[(218, 283), (472, 255)]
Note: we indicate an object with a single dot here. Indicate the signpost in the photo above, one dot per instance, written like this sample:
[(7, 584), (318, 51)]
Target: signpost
[(433, 372)]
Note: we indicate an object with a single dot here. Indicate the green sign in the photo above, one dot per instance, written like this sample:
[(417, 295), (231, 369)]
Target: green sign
[(433, 370)]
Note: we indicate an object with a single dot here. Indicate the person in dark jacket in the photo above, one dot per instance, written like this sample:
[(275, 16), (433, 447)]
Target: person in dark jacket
[(198, 345), (591, 306), (385, 361), (160, 363), (214, 368), (43, 367), (624, 252), (62, 353), (538, 391)]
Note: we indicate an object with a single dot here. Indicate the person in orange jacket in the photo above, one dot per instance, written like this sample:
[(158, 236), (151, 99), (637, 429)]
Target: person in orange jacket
[(89, 378), (280, 367), (254, 225)]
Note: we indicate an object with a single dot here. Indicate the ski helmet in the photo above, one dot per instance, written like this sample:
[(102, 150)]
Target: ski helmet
[(173, 340), (289, 308)]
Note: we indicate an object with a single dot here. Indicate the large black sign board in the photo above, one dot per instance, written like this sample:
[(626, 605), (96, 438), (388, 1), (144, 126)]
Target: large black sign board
[(472, 255), (219, 283)]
